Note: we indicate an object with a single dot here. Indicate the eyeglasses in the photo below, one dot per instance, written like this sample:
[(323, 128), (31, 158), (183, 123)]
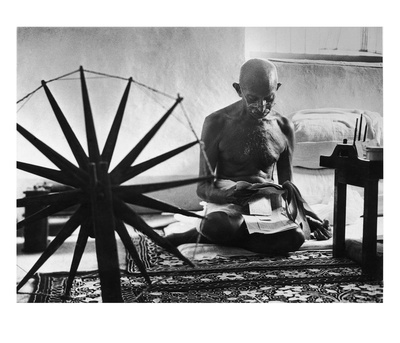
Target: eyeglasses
[(261, 103)]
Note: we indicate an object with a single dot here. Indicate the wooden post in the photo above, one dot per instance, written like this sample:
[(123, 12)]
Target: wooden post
[(104, 227), (369, 258), (339, 217), (36, 233)]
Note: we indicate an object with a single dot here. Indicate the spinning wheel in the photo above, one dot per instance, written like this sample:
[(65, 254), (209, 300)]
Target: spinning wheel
[(102, 200)]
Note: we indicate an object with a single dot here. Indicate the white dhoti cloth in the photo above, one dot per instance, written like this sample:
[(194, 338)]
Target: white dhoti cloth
[(273, 220)]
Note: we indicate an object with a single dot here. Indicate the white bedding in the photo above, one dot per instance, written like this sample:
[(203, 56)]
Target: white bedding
[(318, 131)]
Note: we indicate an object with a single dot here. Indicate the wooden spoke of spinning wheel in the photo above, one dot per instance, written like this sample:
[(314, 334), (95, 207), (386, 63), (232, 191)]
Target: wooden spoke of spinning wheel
[(65, 232), (142, 167), (111, 141), (130, 217), (73, 142), (78, 253), (52, 174), (93, 147), (152, 187), (127, 241), (142, 200), (46, 212), (115, 175), (61, 162), (48, 199)]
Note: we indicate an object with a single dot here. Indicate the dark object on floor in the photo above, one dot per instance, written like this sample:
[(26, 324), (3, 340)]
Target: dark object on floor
[(35, 233), (354, 252)]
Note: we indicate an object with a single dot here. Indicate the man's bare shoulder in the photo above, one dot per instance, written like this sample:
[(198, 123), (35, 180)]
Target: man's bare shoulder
[(285, 123), (220, 118), (276, 115), (225, 113)]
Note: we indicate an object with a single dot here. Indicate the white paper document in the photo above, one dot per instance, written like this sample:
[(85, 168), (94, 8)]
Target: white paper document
[(273, 223), (260, 206)]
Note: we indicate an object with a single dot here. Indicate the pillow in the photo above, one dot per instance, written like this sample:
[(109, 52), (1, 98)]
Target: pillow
[(318, 131)]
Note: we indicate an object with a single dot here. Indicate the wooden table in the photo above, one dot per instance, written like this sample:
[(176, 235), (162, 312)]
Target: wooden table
[(351, 170)]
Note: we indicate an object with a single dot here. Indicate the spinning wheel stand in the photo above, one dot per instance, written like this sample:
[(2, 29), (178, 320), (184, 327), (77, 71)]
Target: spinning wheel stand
[(103, 202)]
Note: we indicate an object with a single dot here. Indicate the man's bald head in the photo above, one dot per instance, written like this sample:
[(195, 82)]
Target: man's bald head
[(258, 73)]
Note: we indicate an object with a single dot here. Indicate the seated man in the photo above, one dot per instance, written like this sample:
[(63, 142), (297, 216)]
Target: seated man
[(243, 142)]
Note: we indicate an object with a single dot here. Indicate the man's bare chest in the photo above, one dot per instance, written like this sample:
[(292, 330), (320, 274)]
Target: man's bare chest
[(256, 144)]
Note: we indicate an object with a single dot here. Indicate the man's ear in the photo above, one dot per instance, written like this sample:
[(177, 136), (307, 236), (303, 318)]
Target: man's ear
[(278, 85), (237, 88)]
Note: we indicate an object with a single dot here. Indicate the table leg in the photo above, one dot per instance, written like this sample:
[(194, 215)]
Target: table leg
[(339, 218), (370, 226)]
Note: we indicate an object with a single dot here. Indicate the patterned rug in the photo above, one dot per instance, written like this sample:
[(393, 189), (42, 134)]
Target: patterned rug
[(306, 276)]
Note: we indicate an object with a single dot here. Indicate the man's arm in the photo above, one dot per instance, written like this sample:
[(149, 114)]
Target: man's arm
[(284, 164), (210, 136)]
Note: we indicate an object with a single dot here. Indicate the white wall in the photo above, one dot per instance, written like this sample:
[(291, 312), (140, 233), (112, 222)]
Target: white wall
[(314, 84), (317, 85)]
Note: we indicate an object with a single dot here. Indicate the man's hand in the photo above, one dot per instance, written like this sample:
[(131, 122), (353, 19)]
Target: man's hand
[(242, 196), (320, 230), (240, 193)]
